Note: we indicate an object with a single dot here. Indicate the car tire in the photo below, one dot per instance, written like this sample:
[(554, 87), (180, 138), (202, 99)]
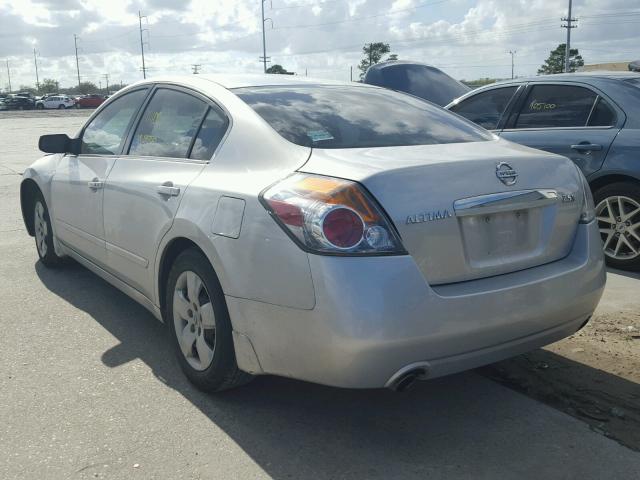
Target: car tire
[(199, 326), (40, 107), (77, 105), (60, 107), (43, 234), (618, 215)]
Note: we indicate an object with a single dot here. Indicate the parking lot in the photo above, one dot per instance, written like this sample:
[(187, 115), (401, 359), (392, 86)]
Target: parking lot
[(89, 388)]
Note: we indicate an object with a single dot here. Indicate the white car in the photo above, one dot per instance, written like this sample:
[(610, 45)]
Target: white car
[(338, 233), (58, 101)]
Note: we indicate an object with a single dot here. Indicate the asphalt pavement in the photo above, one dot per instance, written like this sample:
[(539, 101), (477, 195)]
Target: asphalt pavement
[(90, 389)]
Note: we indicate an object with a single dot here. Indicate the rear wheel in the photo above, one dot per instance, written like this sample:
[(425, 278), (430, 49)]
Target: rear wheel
[(44, 234), (618, 215), (60, 107), (40, 106), (199, 324)]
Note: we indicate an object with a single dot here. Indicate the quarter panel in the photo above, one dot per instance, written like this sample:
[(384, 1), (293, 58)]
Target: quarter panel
[(624, 155)]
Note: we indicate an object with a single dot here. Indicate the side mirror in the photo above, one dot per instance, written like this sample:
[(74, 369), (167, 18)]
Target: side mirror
[(59, 143)]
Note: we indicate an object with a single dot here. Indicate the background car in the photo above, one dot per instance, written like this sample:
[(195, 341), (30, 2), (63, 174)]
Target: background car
[(417, 79), (332, 232), (93, 100), (56, 101), (15, 102), (594, 119)]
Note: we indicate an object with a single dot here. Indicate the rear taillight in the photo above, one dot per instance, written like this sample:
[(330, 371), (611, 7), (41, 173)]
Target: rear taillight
[(331, 215)]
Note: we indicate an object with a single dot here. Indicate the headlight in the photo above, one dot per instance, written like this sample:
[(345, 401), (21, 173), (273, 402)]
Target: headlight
[(331, 216)]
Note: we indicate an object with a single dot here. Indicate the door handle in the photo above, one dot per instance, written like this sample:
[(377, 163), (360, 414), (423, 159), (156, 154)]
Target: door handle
[(168, 189), (95, 184), (586, 147)]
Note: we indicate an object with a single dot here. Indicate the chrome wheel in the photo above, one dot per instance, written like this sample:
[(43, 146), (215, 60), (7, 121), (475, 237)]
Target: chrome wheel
[(41, 229), (194, 320), (619, 223)]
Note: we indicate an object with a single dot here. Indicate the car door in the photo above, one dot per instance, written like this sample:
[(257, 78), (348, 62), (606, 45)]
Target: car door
[(573, 120), (487, 108), (145, 187), (77, 186)]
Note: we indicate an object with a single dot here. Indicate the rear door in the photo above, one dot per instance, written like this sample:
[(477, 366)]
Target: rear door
[(573, 120), (174, 139), (77, 186)]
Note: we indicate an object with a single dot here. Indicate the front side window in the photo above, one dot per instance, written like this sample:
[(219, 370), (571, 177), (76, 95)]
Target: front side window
[(169, 124), (327, 116), (553, 106), (106, 133), (486, 108)]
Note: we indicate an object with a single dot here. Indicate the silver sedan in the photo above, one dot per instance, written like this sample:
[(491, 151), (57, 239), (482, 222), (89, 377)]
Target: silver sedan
[(332, 232)]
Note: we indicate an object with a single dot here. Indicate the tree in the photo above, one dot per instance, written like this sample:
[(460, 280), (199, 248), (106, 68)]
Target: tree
[(84, 88), (48, 85), (373, 53), (27, 88), (555, 62), (279, 69)]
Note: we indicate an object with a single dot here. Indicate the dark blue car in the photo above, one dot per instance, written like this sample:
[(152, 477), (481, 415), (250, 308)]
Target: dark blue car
[(592, 118)]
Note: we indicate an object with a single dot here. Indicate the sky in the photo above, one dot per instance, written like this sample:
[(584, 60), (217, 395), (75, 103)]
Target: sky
[(468, 39)]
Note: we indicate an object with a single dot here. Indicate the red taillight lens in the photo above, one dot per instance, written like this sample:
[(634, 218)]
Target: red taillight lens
[(343, 227), (331, 215)]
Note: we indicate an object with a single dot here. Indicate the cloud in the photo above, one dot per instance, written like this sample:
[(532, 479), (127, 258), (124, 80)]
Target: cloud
[(467, 38)]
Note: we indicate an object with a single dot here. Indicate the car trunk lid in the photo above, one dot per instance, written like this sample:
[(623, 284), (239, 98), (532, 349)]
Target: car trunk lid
[(458, 210)]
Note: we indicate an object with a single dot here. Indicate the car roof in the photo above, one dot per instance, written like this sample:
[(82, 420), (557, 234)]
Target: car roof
[(589, 77), (232, 81)]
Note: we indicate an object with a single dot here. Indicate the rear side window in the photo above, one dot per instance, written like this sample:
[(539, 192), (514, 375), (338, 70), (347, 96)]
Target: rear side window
[(549, 106), (327, 116), (486, 108), (169, 124), (211, 132), (602, 115), (106, 133)]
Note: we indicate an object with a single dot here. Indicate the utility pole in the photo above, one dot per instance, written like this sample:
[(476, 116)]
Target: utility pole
[(106, 77), (35, 60), (351, 73), (512, 52), (9, 75), (195, 68), (144, 68), (568, 26), (75, 41), (264, 57)]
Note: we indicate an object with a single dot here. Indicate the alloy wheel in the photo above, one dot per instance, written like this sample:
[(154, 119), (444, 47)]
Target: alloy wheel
[(194, 320), (619, 223), (41, 229)]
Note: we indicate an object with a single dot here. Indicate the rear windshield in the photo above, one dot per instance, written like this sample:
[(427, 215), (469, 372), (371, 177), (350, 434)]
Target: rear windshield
[(355, 117)]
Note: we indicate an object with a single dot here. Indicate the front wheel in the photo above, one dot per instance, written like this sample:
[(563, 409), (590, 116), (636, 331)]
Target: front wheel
[(60, 107), (199, 325), (618, 215), (44, 234)]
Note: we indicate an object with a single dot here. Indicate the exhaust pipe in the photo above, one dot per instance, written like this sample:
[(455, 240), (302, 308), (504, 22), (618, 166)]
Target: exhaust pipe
[(405, 379)]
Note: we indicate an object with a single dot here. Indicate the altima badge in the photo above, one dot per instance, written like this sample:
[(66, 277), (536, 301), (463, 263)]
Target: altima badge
[(506, 173), (428, 216)]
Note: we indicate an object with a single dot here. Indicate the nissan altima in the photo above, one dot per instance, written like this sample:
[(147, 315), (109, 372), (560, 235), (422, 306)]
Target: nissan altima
[(338, 233)]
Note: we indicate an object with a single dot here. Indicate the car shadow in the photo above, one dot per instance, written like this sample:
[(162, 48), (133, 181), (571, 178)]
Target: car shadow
[(462, 425), (624, 273)]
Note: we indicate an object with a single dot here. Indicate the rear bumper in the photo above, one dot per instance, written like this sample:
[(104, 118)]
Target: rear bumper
[(377, 316)]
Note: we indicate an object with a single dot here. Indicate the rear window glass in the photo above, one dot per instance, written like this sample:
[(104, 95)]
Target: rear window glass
[(355, 117)]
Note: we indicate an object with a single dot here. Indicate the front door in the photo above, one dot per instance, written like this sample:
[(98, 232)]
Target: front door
[(570, 120), (145, 187), (78, 183)]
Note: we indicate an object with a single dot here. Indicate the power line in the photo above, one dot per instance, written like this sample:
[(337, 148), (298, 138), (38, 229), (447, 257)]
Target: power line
[(75, 42), (144, 68), (568, 26)]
